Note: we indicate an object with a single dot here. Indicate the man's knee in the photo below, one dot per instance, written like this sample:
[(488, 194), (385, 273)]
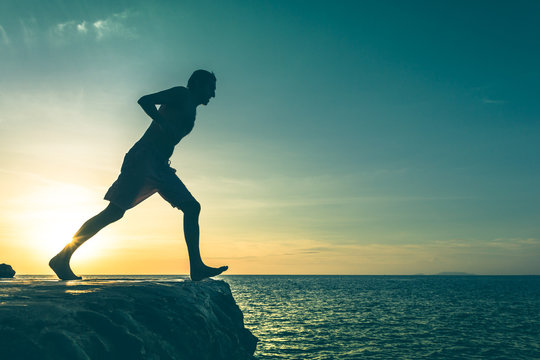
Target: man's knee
[(192, 208), (114, 213)]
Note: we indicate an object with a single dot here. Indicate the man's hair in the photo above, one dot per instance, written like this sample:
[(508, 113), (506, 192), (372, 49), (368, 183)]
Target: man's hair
[(200, 77)]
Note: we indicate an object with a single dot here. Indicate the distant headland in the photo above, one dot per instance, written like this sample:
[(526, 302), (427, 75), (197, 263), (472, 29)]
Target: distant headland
[(447, 273), (454, 273)]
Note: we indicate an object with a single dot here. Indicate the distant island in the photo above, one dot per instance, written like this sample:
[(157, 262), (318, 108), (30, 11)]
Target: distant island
[(446, 273)]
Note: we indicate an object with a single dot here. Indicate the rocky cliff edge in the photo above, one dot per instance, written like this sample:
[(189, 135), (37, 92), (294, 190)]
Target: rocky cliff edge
[(122, 320)]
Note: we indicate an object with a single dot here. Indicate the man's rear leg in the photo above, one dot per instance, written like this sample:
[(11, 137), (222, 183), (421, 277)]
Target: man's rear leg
[(60, 262)]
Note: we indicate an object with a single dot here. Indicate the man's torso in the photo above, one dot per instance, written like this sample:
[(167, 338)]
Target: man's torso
[(180, 115)]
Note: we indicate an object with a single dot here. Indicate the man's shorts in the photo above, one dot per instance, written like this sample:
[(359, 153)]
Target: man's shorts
[(143, 174)]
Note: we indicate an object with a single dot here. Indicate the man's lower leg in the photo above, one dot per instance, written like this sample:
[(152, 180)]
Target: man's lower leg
[(60, 263), (191, 234), (198, 270)]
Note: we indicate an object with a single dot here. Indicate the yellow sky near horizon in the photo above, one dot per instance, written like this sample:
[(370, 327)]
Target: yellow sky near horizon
[(148, 240), (41, 219)]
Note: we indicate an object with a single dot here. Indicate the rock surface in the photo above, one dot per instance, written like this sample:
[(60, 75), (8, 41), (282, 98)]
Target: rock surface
[(6, 271), (107, 319)]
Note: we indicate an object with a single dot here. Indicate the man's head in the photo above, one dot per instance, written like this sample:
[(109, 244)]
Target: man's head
[(202, 85)]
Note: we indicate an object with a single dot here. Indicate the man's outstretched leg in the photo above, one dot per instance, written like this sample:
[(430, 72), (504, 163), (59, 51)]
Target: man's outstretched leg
[(198, 270), (60, 263)]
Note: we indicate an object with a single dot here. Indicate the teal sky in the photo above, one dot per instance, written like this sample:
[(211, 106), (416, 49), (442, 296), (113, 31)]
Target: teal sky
[(358, 137)]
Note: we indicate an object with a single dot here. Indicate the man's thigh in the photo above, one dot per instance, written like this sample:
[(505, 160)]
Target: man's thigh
[(173, 190), (129, 190)]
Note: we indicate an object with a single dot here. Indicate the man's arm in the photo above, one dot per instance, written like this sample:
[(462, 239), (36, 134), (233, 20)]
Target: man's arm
[(148, 104)]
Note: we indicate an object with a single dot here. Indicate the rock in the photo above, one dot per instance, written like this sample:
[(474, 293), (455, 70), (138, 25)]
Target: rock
[(6, 271), (105, 319)]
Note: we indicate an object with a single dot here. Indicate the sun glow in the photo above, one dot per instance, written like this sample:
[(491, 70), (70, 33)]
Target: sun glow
[(52, 215)]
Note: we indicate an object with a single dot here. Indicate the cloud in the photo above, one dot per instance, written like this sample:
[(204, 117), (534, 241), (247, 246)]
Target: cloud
[(302, 191), (62, 26), (4, 36), (492, 101), (505, 256), (29, 30), (113, 26), (82, 27)]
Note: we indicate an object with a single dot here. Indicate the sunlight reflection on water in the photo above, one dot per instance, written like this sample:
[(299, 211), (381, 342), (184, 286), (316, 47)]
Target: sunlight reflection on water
[(76, 292)]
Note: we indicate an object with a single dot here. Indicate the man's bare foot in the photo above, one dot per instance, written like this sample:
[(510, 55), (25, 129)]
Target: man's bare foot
[(204, 272), (60, 265)]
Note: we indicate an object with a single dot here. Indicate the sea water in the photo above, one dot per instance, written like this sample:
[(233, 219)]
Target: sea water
[(383, 317), (391, 317)]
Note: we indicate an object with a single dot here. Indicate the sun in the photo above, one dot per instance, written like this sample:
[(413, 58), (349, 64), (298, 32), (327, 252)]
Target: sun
[(53, 215)]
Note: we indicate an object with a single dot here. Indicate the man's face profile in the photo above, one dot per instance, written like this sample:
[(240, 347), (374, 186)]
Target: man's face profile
[(208, 91)]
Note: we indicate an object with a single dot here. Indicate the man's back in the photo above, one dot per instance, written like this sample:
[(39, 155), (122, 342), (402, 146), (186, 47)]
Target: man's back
[(178, 111)]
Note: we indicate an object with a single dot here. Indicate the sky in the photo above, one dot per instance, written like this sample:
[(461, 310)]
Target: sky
[(346, 137)]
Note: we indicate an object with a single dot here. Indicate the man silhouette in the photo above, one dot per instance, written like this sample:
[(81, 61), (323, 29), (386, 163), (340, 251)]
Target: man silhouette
[(146, 170)]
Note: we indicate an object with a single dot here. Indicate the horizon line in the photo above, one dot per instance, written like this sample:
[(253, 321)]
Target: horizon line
[(418, 274)]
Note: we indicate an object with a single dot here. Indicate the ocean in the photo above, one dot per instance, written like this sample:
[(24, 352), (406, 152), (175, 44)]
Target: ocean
[(383, 317), (391, 317)]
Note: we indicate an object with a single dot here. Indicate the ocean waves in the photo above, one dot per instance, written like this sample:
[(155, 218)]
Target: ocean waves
[(391, 317)]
